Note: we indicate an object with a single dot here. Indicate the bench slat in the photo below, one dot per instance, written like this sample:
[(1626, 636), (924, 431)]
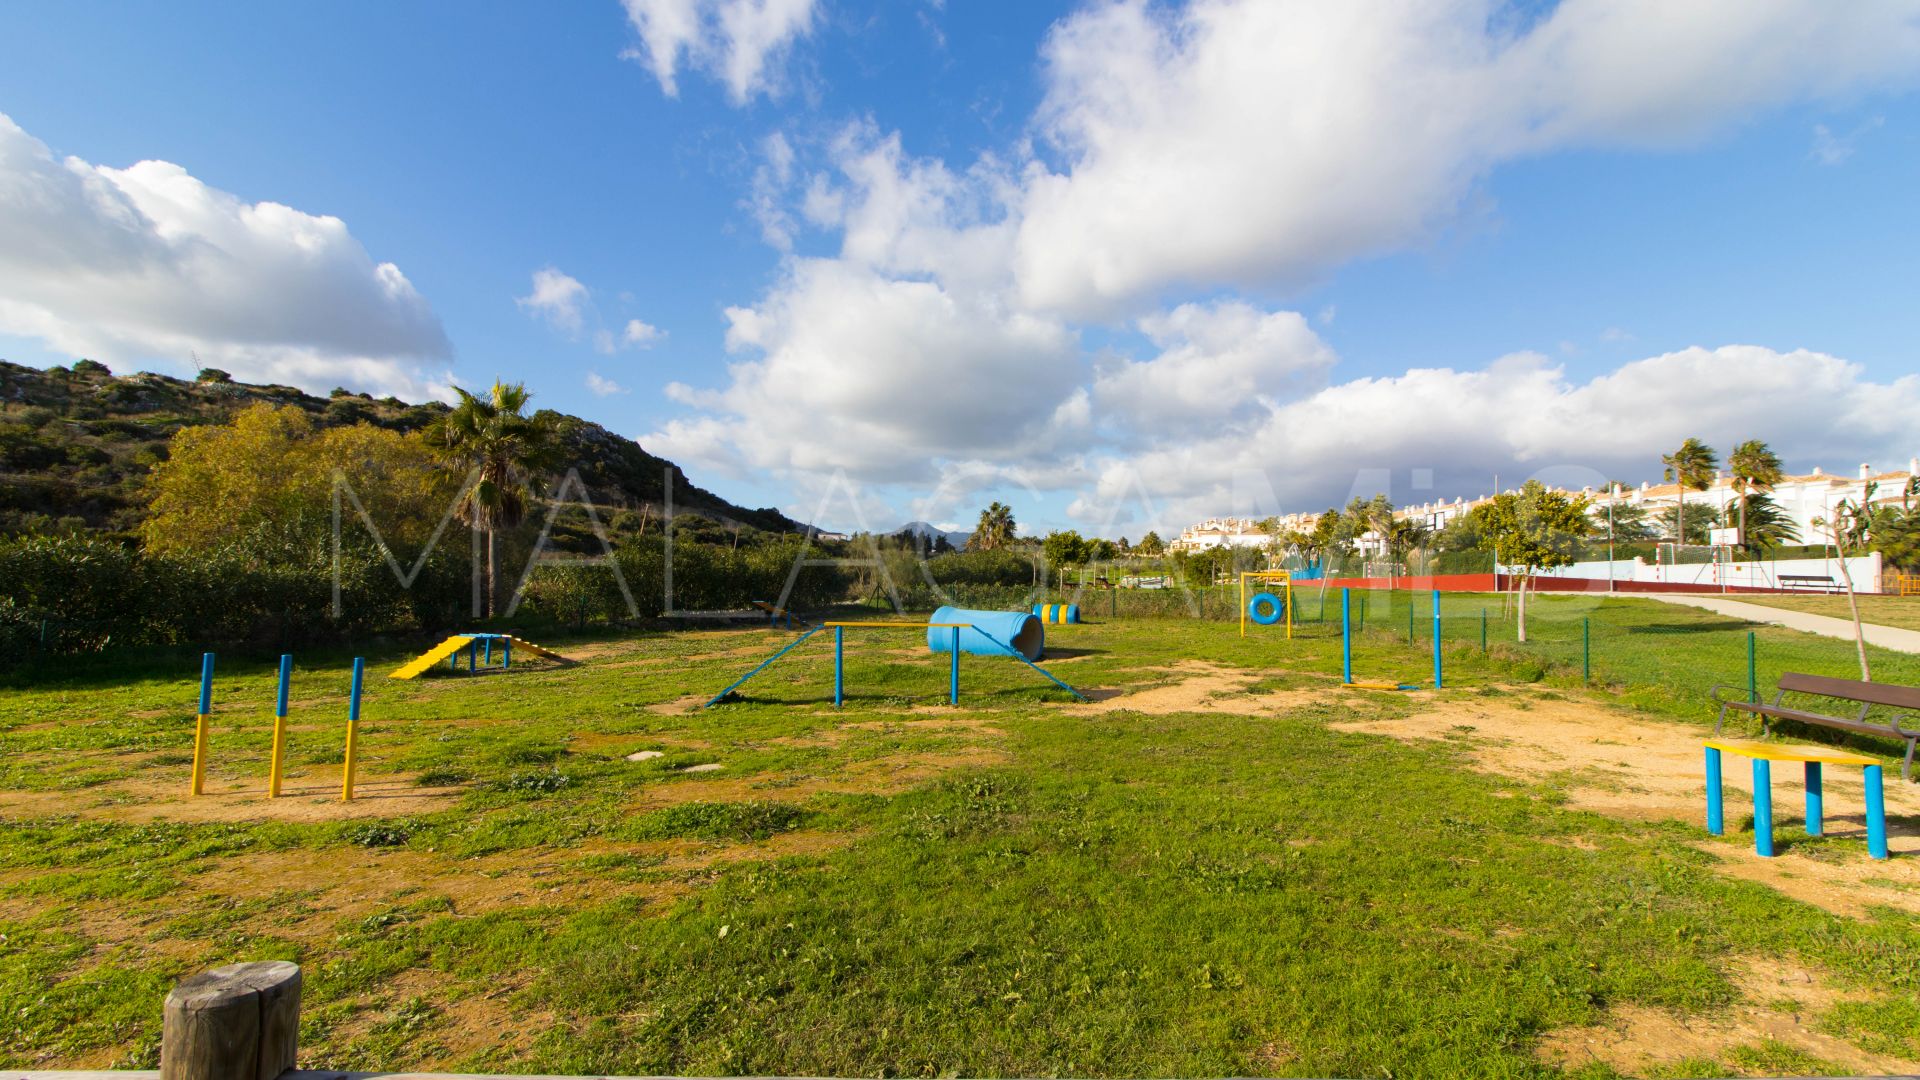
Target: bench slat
[(1899, 697), (1821, 719)]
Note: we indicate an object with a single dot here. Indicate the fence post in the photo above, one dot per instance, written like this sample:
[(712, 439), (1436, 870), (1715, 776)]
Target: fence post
[(1437, 674), (1483, 629), (1586, 650), (238, 1022), (1753, 687), (1409, 616)]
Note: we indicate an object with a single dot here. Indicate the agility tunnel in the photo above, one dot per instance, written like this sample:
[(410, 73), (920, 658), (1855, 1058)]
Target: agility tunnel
[(988, 633), (1058, 614)]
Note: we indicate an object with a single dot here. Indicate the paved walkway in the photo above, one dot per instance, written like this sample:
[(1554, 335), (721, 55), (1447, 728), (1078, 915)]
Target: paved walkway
[(1886, 637)]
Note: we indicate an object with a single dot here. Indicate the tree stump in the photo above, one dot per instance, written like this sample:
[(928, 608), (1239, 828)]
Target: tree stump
[(239, 1022)]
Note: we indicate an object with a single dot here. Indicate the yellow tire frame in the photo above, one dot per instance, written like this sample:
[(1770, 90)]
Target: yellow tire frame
[(1282, 578)]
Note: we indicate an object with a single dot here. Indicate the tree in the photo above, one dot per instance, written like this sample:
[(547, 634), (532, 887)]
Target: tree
[(1101, 550), (1756, 469), (1766, 526), (996, 528), (1630, 524), (1151, 544), (495, 437), (212, 375), (1064, 549), (1851, 528), (1896, 530), (1692, 467), (1535, 529), (268, 474), (1694, 529)]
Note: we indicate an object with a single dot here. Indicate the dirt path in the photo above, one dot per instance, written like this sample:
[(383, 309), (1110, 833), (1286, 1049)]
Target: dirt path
[(1618, 764), (1887, 637)]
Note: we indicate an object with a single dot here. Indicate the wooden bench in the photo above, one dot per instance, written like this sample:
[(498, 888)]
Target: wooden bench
[(1822, 582), (1813, 757), (1864, 694)]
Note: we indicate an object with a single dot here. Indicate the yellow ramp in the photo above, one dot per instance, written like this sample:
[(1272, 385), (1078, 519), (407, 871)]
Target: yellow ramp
[(431, 657), (522, 643)]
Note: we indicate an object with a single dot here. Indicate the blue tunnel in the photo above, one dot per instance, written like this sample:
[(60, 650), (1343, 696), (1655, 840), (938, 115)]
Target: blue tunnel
[(1018, 629)]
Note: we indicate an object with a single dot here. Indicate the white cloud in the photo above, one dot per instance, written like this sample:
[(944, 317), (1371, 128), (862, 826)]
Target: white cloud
[(557, 298), (1247, 142), (1519, 414), (1220, 147), (880, 376), (736, 41), (1219, 362), (640, 335), (601, 386), (149, 263), (1833, 149)]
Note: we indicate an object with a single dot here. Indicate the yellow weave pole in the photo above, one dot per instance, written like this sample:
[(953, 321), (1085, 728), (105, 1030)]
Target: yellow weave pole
[(199, 753), (353, 730), (201, 722), (279, 727)]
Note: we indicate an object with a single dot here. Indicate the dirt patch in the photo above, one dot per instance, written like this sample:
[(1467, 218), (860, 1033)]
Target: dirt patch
[(1202, 687), (682, 705), (302, 799), (888, 775), (1613, 763), (1781, 1000)]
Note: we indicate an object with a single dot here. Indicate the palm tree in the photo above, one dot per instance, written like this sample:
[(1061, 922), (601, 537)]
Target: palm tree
[(503, 448), (996, 528), (1767, 525), (1756, 469), (1692, 467)]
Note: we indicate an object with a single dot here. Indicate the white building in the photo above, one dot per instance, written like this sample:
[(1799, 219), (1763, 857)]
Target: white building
[(1805, 498)]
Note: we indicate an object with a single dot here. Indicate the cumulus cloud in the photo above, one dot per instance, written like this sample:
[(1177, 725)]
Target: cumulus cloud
[(1248, 142), (600, 386), (882, 376), (1221, 148), (641, 335), (738, 42), (1219, 362), (149, 263), (1454, 429), (557, 298)]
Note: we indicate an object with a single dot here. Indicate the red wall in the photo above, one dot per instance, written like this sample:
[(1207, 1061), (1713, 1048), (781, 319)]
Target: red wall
[(1493, 583)]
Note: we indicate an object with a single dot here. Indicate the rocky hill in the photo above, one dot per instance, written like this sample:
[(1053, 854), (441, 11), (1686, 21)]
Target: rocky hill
[(77, 443)]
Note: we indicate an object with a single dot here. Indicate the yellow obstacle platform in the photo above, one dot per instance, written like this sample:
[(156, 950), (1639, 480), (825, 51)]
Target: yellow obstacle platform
[(450, 649)]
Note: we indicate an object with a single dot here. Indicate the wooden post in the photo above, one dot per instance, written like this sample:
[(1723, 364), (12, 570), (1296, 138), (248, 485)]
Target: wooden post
[(239, 1022)]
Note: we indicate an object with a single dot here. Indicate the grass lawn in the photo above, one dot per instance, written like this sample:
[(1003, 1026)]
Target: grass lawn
[(1204, 873), (1900, 611)]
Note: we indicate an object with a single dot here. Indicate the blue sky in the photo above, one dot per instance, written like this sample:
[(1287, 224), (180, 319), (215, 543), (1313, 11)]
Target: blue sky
[(905, 249)]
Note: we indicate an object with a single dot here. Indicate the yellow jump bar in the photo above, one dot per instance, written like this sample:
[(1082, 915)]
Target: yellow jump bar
[(904, 625)]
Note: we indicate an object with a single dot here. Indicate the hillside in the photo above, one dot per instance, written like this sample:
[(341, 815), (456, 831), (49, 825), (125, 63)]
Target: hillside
[(76, 445)]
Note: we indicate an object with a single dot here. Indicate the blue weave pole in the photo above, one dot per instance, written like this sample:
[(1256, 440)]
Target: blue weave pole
[(1015, 653), (1437, 674), (763, 666)]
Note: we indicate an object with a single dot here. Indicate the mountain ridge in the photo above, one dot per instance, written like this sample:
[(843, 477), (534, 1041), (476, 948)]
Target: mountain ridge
[(76, 444)]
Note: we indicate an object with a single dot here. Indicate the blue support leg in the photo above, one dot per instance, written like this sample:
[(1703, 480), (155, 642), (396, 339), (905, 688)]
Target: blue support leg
[(953, 675), (1439, 679), (489, 652), (1346, 635), (1813, 798), (1716, 817), (1876, 812), (506, 654), (839, 668), (1763, 807)]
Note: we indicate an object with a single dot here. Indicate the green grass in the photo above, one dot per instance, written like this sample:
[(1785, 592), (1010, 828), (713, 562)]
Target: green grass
[(1900, 611), (894, 888)]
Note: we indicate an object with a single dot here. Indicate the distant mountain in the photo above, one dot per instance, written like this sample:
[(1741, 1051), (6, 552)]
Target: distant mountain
[(77, 443), (958, 538)]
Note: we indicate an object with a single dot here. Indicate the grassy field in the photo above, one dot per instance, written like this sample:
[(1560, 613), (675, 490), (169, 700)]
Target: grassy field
[(1900, 611), (1207, 871)]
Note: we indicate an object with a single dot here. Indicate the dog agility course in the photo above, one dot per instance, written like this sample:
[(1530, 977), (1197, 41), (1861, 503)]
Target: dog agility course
[(1184, 851)]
